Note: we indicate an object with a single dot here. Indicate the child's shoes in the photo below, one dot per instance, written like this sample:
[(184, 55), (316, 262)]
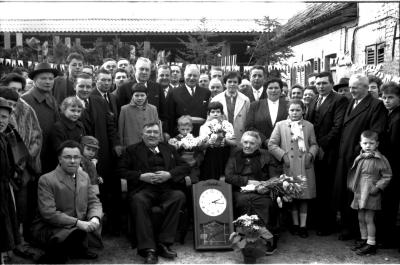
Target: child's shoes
[(367, 249), (358, 244)]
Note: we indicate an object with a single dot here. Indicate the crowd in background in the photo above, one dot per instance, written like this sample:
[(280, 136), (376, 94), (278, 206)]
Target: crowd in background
[(94, 128)]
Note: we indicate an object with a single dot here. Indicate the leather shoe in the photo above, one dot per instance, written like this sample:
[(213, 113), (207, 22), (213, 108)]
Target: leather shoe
[(150, 257), (166, 252)]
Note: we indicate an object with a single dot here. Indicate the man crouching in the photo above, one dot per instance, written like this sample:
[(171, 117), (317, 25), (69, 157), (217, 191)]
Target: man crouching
[(68, 209), (152, 169)]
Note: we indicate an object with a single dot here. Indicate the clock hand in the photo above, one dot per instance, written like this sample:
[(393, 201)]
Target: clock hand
[(215, 201)]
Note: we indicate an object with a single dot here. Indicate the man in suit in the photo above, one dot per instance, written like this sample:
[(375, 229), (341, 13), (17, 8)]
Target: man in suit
[(103, 86), (155, 95), (189, 99), (120, 78), (326, 113), (176, 75), (100, 123), (64, 85), (363, 113), (69, 210), (164, 80), (265, 113), (152, 170), (257, 91), (236, 105)]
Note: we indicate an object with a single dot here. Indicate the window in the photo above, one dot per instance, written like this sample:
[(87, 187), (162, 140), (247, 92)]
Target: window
[(375, 54)]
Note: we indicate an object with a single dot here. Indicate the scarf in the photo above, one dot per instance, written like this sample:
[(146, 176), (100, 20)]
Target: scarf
[(296, 128)]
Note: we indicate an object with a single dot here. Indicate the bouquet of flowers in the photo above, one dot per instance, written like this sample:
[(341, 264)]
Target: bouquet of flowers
[(218, 130), (284, 187), (251, 237), (189, 142)]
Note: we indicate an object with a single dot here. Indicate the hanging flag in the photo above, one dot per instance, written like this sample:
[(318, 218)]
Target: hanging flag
[(8, 61), (13, 62), (20, 63), (1, 60), (29, 63)]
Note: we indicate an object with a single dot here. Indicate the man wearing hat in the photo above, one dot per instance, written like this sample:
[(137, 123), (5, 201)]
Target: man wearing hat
[(326, 112), (343, 88), (45, 105)]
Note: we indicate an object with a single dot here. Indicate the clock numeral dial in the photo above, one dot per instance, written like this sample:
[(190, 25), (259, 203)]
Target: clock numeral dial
[(212, 202)]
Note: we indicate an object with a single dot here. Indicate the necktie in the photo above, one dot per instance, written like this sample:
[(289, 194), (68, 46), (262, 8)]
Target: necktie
[(319, 102), (192, 91), (86, 103), (105, 97), (355, 104), (165, 92)]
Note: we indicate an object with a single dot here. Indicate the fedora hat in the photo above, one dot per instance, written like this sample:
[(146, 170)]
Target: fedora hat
[(4, 104), (42, 68), (343, 82)]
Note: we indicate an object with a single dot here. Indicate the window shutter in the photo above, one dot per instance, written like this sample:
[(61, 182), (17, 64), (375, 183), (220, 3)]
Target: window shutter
[(370, 54), (380, 53)]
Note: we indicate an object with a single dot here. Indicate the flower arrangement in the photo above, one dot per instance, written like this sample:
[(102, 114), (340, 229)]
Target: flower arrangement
[(189, 142), (251, 237), (218, 130), (284, 188)]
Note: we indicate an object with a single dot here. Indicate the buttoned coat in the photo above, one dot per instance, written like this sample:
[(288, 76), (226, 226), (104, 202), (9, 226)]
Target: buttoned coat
[(281, 143), (182, 103), (259, 119), (61, 203), (369, 114), (112, 104), (242, 107)]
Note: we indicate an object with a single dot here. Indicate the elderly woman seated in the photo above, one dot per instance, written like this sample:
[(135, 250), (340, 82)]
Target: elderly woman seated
[(245, 169)]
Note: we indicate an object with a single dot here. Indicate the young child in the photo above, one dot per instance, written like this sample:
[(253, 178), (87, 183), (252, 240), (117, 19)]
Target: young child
[(293, 142), (135, 115), (88, 163), (220, 137), (390, 147), (192, 156), (367, 178), (69, 127)]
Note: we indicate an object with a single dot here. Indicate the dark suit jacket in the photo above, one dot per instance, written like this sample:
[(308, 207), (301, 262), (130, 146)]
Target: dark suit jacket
[(134, 162), (63, 87), (249, 93), (390, 145), (369, 114), (99, 123), (328, 121), (259, 119), (155, 96), (182, 103), (112, 104)]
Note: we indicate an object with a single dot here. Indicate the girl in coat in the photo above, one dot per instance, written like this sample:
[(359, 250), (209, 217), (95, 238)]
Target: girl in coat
[(368, 177), (293, 142)]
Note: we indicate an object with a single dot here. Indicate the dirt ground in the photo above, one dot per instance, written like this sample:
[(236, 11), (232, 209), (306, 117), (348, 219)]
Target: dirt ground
[(291, 249)]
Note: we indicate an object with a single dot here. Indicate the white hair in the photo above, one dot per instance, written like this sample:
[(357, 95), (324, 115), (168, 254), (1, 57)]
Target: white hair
[(215, 80), (143, 60), (190, 67), (362, 79), (253, 134)]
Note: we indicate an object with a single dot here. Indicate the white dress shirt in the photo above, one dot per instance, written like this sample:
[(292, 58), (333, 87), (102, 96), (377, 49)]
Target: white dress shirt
[(257, 93), (190, 90), (273, 110)]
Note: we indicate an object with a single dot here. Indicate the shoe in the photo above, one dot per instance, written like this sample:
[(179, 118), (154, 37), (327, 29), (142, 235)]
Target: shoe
[(303, 233), (272, 246), (150, 257), (294, 229), (359, 244), (166, 252), (367, 249)]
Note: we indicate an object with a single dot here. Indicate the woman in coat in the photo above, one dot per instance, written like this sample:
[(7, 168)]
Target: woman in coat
[(293, 142)]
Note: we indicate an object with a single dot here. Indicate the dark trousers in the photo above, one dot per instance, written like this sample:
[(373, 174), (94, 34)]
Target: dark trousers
[(170, 201), (325, 216), (111, 199), (260, 204)]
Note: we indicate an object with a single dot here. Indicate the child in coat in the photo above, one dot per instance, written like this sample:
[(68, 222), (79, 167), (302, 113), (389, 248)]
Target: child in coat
[(219, 137), (293, 142), (367, 178), (88, 163)]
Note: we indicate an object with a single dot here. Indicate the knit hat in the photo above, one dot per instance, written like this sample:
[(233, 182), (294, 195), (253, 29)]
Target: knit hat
[(90, 141), (138, 87)]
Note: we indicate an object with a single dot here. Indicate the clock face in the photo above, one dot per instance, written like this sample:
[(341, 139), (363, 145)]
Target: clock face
[(212, 202)]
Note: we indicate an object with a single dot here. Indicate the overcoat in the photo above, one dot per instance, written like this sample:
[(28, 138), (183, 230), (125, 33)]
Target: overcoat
[(239, 117), (259, 119), (281, 143), (61, 203), (369, 114)]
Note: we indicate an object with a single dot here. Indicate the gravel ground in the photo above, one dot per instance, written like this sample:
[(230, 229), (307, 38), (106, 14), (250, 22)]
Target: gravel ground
[(291, 249)]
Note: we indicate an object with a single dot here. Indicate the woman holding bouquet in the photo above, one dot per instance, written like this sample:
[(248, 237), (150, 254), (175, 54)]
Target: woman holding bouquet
[(293, 142), (219, 137)]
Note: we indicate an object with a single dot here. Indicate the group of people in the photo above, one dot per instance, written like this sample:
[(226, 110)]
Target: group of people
[(71, 144)]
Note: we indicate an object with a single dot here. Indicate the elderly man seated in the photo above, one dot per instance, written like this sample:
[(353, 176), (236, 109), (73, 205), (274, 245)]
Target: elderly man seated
[(69, 210), (153, 169), (247, 167)]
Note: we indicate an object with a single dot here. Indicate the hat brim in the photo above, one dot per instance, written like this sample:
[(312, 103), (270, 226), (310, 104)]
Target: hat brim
[(32, 74), (92, 145), (336, 87)]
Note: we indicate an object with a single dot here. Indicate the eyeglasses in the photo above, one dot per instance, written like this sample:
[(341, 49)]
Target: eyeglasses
[(70, 158)]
